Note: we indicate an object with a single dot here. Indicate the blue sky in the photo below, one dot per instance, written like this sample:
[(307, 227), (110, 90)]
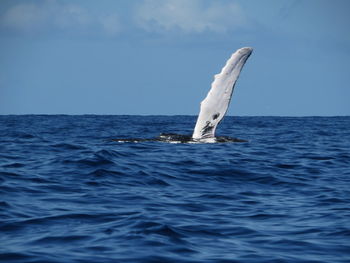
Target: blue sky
[(159, 56)]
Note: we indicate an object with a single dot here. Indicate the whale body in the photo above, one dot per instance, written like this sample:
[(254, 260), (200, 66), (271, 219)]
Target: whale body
[(214, 107)]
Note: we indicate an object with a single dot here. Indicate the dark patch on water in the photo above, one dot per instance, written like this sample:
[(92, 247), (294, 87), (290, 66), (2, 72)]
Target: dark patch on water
[(70, 194)]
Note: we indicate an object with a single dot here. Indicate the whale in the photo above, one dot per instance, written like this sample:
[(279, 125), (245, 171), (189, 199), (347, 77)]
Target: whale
[(214, 106)]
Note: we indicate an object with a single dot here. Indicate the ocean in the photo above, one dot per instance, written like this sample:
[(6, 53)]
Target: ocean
[(68, 193)]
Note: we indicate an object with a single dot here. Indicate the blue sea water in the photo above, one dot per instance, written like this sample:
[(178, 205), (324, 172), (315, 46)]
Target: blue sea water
[(70, 194)]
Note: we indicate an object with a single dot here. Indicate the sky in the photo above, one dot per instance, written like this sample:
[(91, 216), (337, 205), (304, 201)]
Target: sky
[(158, 57)]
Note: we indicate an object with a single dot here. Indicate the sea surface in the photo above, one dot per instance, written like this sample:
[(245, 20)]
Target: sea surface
[(68, 193)]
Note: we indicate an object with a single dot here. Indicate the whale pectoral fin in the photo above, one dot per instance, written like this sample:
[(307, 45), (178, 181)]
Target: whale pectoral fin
[(214, 106)]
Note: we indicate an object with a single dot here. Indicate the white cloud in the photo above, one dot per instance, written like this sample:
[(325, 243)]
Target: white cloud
[(44, 16), (189, 16)]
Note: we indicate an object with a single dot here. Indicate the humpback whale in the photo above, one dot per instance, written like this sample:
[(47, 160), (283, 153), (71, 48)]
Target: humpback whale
[(214, 107)]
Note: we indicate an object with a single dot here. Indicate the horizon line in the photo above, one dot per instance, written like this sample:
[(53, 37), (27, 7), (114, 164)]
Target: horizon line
[(165, 115)]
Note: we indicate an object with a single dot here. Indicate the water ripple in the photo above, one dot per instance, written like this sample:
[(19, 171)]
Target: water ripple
[(70, 194)]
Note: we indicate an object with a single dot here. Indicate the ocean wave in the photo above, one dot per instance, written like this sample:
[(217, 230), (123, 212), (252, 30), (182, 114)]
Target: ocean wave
[(70, 194)]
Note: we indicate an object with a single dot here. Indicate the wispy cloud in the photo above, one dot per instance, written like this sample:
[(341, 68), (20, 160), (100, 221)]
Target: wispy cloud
[(194, 16), (43, 16), (163, 16), (24, 17)]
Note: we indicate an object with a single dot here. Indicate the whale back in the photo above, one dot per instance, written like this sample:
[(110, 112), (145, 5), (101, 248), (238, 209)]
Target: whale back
[(214, 107)]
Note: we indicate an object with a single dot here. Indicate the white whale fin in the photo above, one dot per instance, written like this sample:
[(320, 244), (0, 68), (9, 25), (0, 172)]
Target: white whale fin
[(214, 106)]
